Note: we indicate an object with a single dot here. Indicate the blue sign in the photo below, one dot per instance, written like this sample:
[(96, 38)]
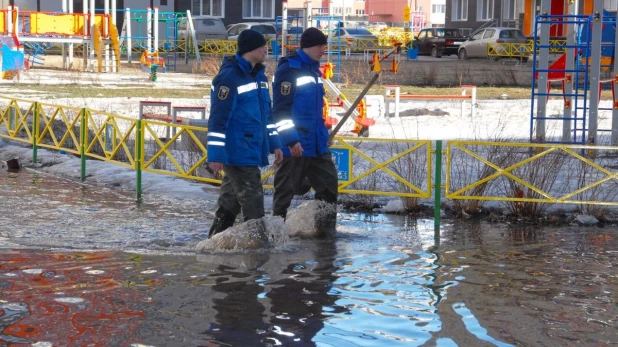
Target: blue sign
[(343, 162)]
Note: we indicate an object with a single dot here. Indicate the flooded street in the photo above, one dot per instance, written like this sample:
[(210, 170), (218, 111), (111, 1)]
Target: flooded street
[(82, 265)]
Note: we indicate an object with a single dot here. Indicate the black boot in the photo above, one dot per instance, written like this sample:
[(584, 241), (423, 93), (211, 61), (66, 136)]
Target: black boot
[(220, 224)]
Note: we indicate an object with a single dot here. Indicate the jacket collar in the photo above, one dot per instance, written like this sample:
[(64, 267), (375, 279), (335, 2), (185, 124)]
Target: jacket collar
[(245, 65), (315, 65)]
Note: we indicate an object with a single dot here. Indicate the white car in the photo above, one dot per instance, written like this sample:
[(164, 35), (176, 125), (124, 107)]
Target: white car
[(266, 29), (205, 29), (377, 25), (478, 45)]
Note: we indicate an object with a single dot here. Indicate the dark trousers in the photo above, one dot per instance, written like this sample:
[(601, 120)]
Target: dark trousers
[(241, 190), (320, 171)]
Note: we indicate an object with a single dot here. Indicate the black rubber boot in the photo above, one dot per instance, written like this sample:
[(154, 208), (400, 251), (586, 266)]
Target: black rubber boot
[(220, 224)]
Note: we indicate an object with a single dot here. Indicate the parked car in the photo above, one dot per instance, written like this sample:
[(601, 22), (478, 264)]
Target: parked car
[(438, 41), (351, 36), (476, 45), (266, 29), (377, 25), (205, 28)]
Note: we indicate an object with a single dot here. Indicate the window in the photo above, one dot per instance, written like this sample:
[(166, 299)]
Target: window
[(510, 9), (438, 8), (611, 5), (489, 33), (460, 10), (163, 3), (478, 35), (212, 8), (512, 34), (448, 33), (258, 9), (422, 34), (484, 9), (360, 12)]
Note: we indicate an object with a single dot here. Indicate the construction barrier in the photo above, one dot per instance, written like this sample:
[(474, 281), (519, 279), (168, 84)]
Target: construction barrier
[(511, 173)]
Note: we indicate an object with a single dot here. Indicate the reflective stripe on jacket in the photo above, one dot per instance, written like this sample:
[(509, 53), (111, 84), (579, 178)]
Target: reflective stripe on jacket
[(298, 94), (240, 127)]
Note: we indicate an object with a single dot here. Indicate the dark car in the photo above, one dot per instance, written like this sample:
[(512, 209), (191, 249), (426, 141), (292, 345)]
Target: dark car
[(438, 41)]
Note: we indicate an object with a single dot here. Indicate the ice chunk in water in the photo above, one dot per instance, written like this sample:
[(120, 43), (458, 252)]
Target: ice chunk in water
[(267, 232), (312, 219)]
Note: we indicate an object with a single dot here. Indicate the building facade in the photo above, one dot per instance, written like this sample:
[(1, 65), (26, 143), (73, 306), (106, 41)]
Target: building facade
[(423, 13), (469, 15)]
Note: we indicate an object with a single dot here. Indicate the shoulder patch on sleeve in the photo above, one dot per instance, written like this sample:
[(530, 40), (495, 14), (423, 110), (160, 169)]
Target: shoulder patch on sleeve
[(264, 85), (286, 88), (223, 92)]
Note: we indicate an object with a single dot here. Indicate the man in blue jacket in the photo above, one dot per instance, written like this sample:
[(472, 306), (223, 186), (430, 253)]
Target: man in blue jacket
[(298, 94), (241, 133)]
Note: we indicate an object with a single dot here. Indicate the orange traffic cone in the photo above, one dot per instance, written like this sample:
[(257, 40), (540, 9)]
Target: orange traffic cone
[(375, 63), (394, 66)]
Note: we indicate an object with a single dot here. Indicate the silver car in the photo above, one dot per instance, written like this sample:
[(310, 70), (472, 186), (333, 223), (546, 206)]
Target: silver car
[(266, 29), (501, 42), (355, 37), (205, 29)]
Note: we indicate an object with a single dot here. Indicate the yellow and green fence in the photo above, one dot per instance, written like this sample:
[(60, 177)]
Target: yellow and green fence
[(513, 173)]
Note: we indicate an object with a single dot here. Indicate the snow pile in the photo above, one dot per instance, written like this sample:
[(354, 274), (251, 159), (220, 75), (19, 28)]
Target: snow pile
[(256, 234)]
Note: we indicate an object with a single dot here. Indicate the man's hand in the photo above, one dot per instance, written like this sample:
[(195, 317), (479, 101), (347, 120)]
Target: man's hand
[(216, 167), (296, 150), (278, 156)]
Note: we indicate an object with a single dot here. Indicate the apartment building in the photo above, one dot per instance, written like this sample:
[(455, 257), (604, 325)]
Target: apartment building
[(469, 15)]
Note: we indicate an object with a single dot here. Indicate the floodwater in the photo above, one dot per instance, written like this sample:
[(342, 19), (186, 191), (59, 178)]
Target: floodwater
[(87, 266)]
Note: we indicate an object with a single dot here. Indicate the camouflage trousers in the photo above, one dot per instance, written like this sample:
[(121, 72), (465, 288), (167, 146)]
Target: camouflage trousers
[(241, 190), (319, 171)]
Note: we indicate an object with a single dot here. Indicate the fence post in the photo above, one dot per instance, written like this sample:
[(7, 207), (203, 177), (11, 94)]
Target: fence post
[(35, 132), (138, 160), (82, 143), (437, 186)]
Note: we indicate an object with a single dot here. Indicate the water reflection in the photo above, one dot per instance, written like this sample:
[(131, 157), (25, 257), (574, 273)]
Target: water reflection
[(385, 280)]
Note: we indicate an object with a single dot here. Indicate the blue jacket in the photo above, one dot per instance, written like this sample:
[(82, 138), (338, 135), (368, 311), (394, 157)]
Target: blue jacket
[(298, 95), (240, 127)]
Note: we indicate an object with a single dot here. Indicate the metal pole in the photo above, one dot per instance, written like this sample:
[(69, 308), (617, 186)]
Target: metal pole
[(71, 46), (64, 45), (595, 71), (106, 33), (35, 132), (114, 12), (437, 188), (92, 28), (156, 30), (139, 141), (541, 111), (85, 33), (308, 16), (149, 30), (568, 83), (127, 24), (82, 143)]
